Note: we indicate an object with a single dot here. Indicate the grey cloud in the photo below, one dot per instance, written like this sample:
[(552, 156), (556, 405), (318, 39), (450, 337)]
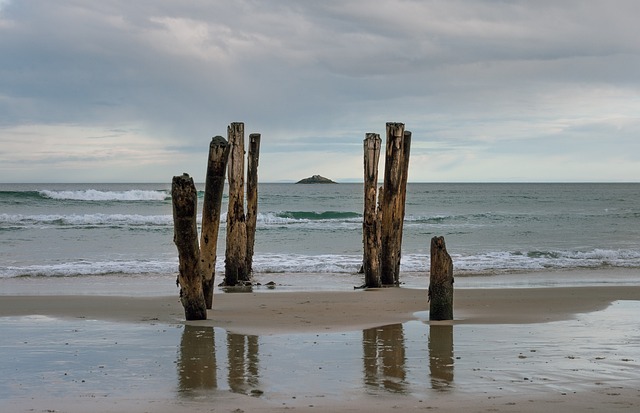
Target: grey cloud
[(456, 72)]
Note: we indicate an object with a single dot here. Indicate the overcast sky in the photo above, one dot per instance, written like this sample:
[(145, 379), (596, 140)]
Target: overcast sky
[(493, 90)]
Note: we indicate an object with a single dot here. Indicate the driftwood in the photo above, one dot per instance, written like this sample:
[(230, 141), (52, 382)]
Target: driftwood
[(252, 197), (214, 188), (392, 206), (185, 204), (236, 246), (440, 282), (371, 223)]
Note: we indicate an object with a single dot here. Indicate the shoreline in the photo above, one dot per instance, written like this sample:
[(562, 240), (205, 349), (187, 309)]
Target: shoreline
[(304, 302), (154, 285), (317, 311), (530, 349)]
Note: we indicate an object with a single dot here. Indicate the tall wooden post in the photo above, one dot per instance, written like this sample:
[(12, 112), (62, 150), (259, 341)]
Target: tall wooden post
[(214, 188), (391, 213), (402, 199), (185, 235), (370, 223), (236, 248), (440, 282), (252, 196)]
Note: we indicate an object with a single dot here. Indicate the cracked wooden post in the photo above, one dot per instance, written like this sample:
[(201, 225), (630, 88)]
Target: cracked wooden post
[(252, 197), (184, 197), (402, 199), (391, 229), (440, 282), (370, 222), (214, 188), (236, 246)]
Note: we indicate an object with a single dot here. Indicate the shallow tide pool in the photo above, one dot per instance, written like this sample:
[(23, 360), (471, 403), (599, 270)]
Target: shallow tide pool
[(50, 358)]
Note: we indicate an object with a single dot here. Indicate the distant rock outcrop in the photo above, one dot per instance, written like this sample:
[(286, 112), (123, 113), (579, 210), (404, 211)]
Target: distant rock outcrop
[(316, 179)]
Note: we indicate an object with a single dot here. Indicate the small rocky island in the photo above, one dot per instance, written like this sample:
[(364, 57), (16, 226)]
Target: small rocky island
[(316, 179)]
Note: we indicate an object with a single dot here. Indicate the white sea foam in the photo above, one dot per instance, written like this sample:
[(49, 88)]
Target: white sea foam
[(482, 263), (478, 264), (80, 268), (96, 195), (100, 219), (84, 220), (501, 261), (264, 219), (298, 263), (271, 218)]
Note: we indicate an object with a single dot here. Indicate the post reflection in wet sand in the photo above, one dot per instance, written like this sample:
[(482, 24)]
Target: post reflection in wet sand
[(384, 358), (197, 359), (393, 358), (197, 365), (441, 356), (242, 352)]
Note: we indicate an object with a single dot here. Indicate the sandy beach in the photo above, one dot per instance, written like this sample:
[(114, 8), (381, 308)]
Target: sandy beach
[(565, 348)]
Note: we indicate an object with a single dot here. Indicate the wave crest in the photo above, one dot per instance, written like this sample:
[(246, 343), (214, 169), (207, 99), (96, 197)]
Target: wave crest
[(486, 263), (96, 195), (316, 216)]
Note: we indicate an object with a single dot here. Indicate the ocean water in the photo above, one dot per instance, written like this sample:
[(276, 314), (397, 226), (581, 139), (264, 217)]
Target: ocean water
[(77, 230)]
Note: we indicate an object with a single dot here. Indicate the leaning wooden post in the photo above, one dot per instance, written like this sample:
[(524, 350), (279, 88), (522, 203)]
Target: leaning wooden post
[(214, 187), (402, 199), (185, 235), (370, 224), (391, 215), (252, 196), (440, 282), (236, 248)]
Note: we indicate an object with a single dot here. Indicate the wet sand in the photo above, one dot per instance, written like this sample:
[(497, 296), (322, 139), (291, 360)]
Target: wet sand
[(509, 349), (274, 312)]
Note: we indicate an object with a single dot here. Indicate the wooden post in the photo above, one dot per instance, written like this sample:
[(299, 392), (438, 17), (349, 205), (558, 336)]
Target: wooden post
[(185, 205), (214, 188), (252, 196), (402, 199), (236, 248), (370, 223), (440, 282), (391, 214)]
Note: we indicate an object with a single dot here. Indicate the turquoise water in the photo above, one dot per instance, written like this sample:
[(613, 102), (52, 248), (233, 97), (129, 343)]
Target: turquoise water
[(64, 230)]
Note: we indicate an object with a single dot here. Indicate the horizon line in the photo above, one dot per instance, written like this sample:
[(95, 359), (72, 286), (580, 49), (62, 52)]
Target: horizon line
[(345, 181)]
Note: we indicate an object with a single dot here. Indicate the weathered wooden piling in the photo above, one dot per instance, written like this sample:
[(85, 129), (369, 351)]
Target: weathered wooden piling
[(236, 245), (185, 235), (392, 206), (402, 200), (252, 196), (440, 282), (370, 222), (214, 188)]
